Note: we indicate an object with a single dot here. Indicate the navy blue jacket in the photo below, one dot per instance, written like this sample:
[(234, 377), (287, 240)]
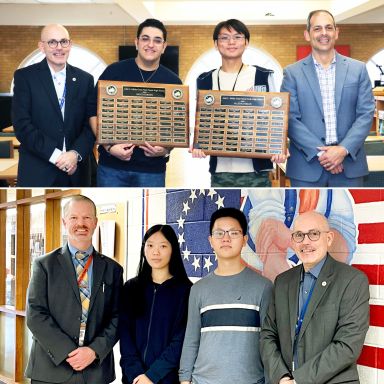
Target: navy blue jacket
[(151, 343), (204, 82)]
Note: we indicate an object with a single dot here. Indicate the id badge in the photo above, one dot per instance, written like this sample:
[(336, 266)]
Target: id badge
[(81, 335)]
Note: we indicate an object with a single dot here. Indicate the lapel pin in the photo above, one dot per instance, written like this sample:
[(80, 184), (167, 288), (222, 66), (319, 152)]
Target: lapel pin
[(324, 283), (73, 78)]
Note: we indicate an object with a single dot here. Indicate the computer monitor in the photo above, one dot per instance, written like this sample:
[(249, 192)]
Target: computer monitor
[(5, 110)]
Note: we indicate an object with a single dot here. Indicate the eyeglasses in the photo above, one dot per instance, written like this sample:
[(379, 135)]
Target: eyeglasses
[(232, 233), (313, 235), (228, 38), (146, 39), (54, 43)]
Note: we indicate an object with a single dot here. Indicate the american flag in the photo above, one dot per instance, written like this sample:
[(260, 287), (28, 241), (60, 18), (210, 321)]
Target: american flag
[(189, 211)]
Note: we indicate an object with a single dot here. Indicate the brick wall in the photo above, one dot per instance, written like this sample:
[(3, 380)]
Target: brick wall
[(278, 40)]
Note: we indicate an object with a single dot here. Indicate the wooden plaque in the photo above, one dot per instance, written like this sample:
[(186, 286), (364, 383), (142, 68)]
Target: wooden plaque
[(241, 124), (138, 112)]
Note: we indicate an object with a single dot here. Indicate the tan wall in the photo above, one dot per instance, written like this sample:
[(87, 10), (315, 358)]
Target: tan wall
[(279, 41)]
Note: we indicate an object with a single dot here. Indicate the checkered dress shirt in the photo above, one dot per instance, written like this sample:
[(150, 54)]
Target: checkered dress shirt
[(327, 79)]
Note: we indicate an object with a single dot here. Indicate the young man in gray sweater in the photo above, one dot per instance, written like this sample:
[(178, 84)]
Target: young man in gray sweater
[(226, 311)]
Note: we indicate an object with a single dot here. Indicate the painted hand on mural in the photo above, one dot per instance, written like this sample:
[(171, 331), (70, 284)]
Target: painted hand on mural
[(270, 219), (272, 242)]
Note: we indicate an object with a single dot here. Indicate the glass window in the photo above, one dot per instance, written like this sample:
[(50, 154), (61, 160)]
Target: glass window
[(36, 236), (373, 67), (11, 194), (10, 257)]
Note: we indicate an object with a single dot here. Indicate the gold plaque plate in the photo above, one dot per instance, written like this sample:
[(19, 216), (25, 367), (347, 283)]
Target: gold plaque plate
[(241, 124), (142, 112)]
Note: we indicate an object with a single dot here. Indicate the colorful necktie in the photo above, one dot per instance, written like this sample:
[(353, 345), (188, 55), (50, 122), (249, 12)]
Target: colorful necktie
[(84, 292)]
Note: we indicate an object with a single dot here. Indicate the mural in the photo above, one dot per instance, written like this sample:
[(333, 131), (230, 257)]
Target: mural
[(356, 216)]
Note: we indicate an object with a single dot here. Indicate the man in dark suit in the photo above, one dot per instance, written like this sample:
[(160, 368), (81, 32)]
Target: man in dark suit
[(319, 314), (50, 117), (72, 306)]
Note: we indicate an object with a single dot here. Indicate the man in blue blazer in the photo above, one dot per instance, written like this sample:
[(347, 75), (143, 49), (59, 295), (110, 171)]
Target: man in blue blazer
[(319, 313), (50, 117), (71, 345), (331, 111)]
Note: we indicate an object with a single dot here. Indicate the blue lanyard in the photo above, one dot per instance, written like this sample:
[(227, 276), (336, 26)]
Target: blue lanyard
[(303, 310), (62, 100)]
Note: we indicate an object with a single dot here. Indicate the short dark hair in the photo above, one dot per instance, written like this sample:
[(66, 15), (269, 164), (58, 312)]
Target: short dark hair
[(154, 23), (315, 12), (235, 213), (78, 198), (235, 24)]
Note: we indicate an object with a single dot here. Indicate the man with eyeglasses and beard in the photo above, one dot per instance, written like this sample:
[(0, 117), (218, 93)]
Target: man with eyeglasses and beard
[(225, 313), (50, 115), (319, 315), (231, 38), (126, 164)]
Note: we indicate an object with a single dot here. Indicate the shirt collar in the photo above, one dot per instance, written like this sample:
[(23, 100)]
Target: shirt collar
[(73, 250), (315, 271), (61, 73), (317, 64)]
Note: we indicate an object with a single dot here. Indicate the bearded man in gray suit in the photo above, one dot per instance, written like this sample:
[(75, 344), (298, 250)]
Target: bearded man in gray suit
[(72, 306), (331, 111), (319, 314)]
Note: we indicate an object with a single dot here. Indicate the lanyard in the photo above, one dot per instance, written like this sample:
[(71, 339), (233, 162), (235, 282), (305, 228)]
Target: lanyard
[(234, 84), (62, 100), (85, 270), (303, 310)]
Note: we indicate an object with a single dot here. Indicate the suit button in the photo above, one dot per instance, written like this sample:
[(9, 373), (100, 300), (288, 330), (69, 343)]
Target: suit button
[(322, 120)]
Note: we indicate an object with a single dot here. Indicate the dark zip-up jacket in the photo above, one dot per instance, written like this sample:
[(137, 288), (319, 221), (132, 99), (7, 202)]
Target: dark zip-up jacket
[(151, 343), (204, 82)]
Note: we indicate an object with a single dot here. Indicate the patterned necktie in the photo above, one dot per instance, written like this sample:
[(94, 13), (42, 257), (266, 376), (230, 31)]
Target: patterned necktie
[(83, 287)]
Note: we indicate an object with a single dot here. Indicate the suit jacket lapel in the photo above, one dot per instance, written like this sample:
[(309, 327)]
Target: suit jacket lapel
[(46, 79), (69, 272), (313, 81), (71, 84), (326, 277), (293, 301), (99, 265), (341, 73)]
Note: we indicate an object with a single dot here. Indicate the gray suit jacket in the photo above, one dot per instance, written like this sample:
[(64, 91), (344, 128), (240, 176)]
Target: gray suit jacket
[(54, 314), (333, 331), (354, 112)]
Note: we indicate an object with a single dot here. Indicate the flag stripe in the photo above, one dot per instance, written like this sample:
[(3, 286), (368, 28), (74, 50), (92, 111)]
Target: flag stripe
[(362, 195), (372, 357), (377, 316), (371, 233), (375, 273)]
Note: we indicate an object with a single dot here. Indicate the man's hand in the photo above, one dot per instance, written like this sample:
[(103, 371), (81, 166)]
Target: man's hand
[(338, 169), (286, 380), (281, 157), (122, 151), (332, 156), (154, 150), (67, 162), (81, 357), (197, 153), (142, 379), (185, 382)]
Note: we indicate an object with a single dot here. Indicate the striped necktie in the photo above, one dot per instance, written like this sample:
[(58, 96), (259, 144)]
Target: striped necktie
[(83, 289)]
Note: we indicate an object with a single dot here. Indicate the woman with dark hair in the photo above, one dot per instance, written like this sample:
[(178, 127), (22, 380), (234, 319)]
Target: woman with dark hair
[(153, 312)]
